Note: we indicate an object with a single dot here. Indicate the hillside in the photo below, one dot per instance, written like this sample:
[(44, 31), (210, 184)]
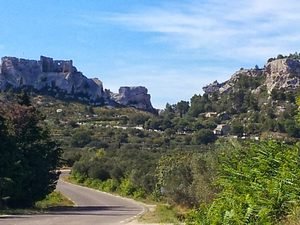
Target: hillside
[(168, 156), (254, 103), (259, 102)]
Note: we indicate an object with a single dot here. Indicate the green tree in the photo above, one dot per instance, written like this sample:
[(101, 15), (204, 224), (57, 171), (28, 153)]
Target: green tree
[(182, 107), (292, 128), (197, 105), (138, 118), (298, 114), (203, 136), (81, 138), (185, 178), (8, 157), (237, 128), (31, 158), (175, 178)]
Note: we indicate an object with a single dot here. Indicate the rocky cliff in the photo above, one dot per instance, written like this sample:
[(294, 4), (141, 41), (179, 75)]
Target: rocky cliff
[(283, 73), (137, 97), (61, 79)]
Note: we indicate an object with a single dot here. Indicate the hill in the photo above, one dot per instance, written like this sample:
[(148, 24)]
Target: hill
[(168, 156), (256, 102), (61, 79)]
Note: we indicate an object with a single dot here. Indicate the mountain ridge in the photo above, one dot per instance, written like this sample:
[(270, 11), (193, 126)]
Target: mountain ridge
[(62, 79), (282, 72)]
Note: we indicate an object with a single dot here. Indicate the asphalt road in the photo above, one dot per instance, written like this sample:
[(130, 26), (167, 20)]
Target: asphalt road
[(92, 208)]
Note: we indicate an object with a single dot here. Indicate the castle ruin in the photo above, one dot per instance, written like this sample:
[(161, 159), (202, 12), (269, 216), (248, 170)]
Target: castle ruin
[(44, 65), (49, 65)]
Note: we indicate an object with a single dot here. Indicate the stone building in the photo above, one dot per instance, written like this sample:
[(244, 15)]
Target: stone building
[(222, 129)]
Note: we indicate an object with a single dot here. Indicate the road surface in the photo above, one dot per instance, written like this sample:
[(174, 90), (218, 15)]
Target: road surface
[(92, 208)]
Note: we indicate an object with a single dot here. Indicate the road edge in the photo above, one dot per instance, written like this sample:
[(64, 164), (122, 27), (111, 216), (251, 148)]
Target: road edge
[(145, 207)]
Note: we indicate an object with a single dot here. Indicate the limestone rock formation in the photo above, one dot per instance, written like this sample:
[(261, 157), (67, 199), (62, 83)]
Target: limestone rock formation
[(61, 79), (137, 97), (56, 76), (279, 73), (283, 73), (228, 85), (213, 87)]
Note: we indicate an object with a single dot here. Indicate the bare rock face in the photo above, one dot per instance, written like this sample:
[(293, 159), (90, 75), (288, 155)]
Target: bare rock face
[(213, 87), (279, 73), (283, 73), (60, 78), (56, 76), (137, 97), (228, 85)]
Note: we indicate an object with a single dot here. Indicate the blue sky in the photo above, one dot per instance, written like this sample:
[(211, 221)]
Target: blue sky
[(173, 47)]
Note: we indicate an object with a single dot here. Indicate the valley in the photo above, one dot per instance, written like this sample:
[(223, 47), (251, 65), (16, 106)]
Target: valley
[(177, 154)]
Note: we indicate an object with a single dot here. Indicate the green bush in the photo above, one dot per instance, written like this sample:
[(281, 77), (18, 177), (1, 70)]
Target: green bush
[(185, 179), (260, 185), (109, 185), (81, 138), (139, 193), (53, 199), (126, 187), (203, 136)]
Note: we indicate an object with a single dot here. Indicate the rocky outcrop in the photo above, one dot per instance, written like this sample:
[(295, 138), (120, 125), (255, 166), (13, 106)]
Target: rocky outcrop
[(228, 85), (61, 79), (279, 73), (137, 97), (55, 76), (283, 73), (213, 87)]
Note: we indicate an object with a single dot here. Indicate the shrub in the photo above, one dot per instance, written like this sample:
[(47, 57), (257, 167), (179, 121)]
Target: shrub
[(260, 185), (126, 187), (203, 136), (81, 138)]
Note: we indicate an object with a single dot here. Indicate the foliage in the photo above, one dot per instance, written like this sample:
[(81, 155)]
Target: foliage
[(237, 128), (132, 171), (29, 157), (182, 107), (163, 214), (81, 138), (260, 185), (298, 114), (132, 143), (203, 136), (185, 178), (53, 199)]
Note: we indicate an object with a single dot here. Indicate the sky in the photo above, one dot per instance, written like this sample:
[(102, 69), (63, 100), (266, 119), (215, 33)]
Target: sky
[(172, 47)]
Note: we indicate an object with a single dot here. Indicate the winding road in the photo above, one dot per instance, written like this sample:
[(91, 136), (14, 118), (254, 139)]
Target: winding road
[(92, 208)]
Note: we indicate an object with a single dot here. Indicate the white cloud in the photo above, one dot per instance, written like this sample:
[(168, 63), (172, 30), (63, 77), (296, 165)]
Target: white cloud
[(232, 32), (221, 26)]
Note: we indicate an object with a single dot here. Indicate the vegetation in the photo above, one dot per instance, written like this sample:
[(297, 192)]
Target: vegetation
[(290, 56), (259, 185), (162, 214), (29, 157), (176, 157), (54, 199)]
